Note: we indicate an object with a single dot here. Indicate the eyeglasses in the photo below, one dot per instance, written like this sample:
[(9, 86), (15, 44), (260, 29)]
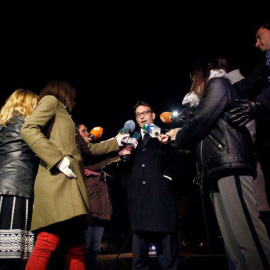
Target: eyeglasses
[(144, 113)]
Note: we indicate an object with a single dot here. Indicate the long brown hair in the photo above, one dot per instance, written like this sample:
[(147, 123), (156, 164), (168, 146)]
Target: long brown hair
[(19, 102), (201, 72), (63, 91)]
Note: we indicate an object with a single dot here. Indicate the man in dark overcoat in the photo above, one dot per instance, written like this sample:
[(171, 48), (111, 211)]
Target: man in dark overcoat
[(152, 200)]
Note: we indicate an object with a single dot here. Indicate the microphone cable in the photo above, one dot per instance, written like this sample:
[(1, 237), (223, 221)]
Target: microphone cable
[(138, 213)]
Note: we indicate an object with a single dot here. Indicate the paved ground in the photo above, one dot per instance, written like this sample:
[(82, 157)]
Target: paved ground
[(188, 262)]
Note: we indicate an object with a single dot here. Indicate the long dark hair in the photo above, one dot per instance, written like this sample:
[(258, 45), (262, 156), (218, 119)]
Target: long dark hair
[(201, 71), (63, 91)]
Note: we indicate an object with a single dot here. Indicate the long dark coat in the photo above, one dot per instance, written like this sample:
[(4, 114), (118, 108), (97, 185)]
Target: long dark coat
[(150, 187)]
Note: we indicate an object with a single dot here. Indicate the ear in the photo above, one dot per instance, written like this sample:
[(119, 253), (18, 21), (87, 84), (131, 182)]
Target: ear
[(153, 116)]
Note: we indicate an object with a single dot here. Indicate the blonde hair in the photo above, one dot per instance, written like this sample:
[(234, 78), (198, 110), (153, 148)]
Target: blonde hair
[(19, 102)]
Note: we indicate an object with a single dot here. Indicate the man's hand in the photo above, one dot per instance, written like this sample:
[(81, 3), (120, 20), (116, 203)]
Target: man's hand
[(125, 151), (242, 111), (63, 166)]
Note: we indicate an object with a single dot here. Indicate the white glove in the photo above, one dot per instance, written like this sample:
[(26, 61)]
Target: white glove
[(122, 138), (63, 166)]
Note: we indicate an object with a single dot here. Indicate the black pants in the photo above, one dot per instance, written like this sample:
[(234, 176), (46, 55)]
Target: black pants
[(166, 244)]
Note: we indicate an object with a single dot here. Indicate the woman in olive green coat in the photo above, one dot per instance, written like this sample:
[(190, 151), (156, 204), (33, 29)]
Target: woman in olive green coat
[(61, 204)]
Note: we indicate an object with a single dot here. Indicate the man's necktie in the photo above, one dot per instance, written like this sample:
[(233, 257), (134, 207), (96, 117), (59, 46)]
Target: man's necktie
[(145, 138)]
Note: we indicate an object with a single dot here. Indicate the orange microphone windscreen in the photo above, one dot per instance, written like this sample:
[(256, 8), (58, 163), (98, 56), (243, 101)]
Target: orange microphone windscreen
[(96, 132), (165, 117)]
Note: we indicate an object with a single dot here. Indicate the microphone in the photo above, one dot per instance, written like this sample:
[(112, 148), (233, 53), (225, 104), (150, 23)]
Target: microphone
[(145, 127), (133, 143), (175, 117), (166, 117), (128, 128), (95, 133), (153, 130)]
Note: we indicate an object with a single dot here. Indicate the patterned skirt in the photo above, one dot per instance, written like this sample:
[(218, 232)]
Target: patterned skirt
[(16, 241)]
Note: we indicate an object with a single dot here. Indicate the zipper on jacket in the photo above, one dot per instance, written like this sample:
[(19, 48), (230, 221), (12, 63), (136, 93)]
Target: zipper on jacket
[(201, 146), (199, 178), (216, 142)]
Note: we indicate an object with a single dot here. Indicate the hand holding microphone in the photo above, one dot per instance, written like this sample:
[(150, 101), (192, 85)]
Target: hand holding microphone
[(131, 144), (155, 132), (124, 133), (122, 139)]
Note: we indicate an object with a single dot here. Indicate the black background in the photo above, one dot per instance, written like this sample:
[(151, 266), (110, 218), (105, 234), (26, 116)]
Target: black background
[(115, 54)]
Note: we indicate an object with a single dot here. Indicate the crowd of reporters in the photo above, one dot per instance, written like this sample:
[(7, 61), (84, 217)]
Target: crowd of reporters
[(212, 125)]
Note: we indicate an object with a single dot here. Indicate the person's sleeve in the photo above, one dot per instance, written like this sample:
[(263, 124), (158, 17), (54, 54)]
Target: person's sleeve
[(104, 147), (206, 116), (246, 87), (264, 97), (102, 164)]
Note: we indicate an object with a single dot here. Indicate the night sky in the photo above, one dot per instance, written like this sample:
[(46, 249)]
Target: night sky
[(115, 55)]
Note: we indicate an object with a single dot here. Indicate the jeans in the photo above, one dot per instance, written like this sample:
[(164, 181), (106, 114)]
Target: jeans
[(93, 237)]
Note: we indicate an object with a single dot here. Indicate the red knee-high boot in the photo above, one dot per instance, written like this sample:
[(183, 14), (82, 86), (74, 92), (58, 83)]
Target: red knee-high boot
[(46, 243), (75, 257)]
